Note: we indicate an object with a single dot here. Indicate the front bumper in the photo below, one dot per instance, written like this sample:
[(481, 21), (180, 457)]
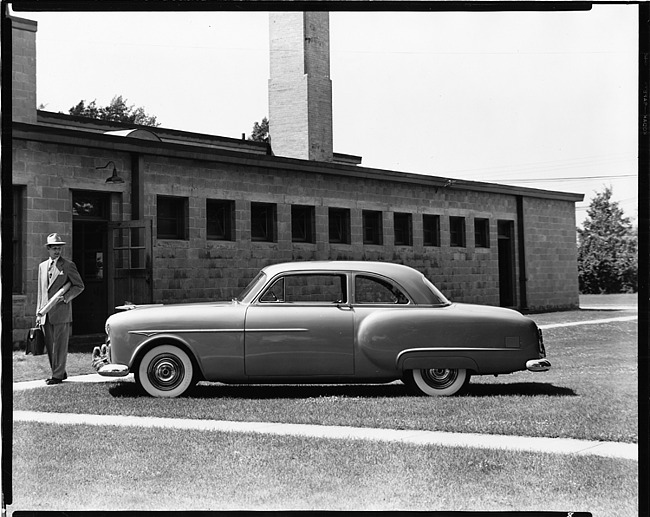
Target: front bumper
[(538, 365), (103, 366)]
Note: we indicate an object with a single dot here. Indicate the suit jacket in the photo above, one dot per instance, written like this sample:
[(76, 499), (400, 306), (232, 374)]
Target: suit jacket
[(64, 271)]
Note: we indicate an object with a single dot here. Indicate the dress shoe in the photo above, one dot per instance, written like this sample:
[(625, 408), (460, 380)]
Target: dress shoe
[(51, 381)]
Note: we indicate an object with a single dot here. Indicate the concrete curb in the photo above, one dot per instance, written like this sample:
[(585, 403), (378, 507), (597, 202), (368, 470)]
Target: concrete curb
[(588, 322), (566, 446), (90, 378)]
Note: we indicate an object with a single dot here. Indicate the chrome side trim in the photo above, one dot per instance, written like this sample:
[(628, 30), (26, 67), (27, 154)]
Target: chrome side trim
[(455, 349), (452, 349), (153, 332), (278, 330)]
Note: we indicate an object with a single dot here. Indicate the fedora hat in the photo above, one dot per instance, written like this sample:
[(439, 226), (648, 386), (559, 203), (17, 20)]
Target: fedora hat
[(54, 239)]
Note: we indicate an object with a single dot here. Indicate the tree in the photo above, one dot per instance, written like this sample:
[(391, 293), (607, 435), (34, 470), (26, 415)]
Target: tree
[(116, 111), (261, 132), (607, 249)]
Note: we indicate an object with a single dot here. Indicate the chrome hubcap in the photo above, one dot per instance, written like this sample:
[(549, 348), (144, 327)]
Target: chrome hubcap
[(166, 372), (439, 378)]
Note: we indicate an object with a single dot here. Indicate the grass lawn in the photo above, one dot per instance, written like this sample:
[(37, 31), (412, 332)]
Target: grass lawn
[(590, 393), (115, 468)]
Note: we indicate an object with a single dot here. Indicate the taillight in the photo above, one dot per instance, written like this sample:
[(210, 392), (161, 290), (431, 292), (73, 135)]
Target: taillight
[(540, 342)]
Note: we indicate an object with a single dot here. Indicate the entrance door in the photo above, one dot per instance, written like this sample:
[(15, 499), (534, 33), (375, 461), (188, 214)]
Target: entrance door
[(129, 255), (506, 263), (89, 238)]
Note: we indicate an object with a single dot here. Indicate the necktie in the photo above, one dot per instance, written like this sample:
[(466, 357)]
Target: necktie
[(50, 270)]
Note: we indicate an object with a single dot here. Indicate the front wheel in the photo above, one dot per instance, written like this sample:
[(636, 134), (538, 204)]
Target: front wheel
[(165, 371), (437, 382)]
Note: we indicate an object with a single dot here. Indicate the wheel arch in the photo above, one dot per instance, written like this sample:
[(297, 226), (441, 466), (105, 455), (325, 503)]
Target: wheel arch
[(428, 359), (167, 339)]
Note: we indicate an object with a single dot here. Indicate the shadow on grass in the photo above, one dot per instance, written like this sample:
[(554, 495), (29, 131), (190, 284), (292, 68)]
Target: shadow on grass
[(518, 388), (292, 391)]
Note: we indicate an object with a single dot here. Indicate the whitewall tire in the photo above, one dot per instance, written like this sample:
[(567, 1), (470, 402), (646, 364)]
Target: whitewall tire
[(439, 382), (165, 371)]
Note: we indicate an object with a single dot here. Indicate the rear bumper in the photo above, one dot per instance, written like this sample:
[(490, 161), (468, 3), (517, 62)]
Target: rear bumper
[(102, 365), (538, 365)]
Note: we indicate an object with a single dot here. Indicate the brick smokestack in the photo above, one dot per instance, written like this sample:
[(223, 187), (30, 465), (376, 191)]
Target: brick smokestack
[(23, 75), (300, 88)]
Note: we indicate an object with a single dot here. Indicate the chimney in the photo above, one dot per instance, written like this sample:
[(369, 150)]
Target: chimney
[(300, 88), (23, 71)]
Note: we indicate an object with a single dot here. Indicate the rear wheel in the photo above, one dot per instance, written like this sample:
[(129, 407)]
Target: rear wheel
[(165, 371), (438, 382)]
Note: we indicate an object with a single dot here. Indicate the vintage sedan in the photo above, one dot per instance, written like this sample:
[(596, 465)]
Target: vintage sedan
[(321, 322)]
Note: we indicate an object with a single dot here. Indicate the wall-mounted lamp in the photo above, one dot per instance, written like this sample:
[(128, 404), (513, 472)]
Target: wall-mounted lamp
[(114, 178)]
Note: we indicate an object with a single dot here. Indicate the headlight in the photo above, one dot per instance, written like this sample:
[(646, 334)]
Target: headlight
[(107, 328)]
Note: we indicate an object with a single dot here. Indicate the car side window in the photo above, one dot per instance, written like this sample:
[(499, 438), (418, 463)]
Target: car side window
[(275, 293), (307, 288), (374, 290)]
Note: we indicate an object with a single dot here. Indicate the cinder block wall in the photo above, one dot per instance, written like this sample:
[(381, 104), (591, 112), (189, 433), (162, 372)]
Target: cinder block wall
[(551, 254), (48, 174), (199, 269)]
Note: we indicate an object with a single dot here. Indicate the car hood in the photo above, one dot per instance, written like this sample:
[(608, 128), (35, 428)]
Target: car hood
[(169, 316)]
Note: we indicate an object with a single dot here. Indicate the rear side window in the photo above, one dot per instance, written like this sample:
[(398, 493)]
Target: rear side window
[(308, 288), (369, 290)]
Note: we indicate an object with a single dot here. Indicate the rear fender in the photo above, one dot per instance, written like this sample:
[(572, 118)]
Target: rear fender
[(419, 360)]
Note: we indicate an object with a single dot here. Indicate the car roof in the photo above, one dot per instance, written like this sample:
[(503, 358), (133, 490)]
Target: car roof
[(409, 278), (382, 268)]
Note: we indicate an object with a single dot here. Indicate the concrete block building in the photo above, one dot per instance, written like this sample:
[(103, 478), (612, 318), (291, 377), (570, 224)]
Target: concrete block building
[(159, 215)]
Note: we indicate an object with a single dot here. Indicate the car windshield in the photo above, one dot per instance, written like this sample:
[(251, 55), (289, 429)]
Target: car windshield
[(439, 297), (260, 279)]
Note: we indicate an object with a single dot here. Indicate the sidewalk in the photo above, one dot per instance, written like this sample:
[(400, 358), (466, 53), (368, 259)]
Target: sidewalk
[(412, 437)]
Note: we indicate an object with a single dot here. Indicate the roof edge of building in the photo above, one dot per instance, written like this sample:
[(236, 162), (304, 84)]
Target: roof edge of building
[(72, 136)]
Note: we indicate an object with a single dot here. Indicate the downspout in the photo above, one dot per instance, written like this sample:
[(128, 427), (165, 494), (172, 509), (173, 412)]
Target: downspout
[(137, 187), (521, 246)]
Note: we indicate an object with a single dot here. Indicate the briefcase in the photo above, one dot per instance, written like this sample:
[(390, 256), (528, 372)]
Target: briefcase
[(35, 341)]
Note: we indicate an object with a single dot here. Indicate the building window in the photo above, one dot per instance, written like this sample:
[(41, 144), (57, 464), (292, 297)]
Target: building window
[(263, 222), (172, 217), (457, 232), (482, 233), (372, 227), (403, 224), (339, 225), (302, 223), (17, 240), (431, 229), (220, 220)]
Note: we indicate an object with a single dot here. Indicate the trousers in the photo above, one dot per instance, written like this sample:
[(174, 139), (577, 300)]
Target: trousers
[(56, 343)]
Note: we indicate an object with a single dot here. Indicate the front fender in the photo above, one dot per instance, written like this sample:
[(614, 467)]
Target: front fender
[(160, 339)]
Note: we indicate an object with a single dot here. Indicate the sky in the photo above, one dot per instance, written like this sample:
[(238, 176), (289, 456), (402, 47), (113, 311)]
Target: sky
[(537, 99)]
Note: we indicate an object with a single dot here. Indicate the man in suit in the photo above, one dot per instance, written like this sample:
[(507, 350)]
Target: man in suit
[(53, 274)]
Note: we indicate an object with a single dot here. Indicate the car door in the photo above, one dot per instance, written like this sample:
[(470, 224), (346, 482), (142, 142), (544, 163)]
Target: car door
[(301, 325)]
